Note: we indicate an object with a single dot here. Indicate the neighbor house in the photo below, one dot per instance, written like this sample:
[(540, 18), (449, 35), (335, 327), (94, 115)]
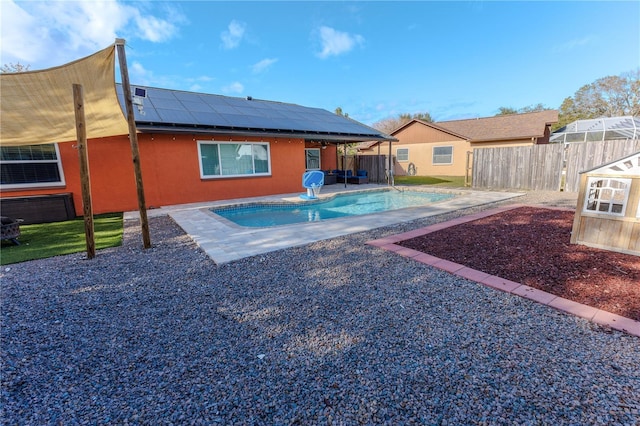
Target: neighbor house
[(194, 147), (444, 148)]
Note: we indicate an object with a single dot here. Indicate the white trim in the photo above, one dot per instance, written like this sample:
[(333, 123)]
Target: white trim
[(60, 184), (245, 175), (598, 201), (319, 158), (433, 155), (398, 156)]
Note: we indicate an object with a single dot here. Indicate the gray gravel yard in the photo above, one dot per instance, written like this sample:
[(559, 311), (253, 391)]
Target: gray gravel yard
[(336, 332)]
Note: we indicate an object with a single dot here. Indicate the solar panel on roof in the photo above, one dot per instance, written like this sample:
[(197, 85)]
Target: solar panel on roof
[(146, 114), (209, 119), (164, 103), (196, 106), (187, 96), (168, 107), (224, 109), (175, 116), (159, 94)]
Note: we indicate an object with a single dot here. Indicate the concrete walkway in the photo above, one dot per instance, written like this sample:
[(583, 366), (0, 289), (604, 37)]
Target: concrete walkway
[(225, 241)]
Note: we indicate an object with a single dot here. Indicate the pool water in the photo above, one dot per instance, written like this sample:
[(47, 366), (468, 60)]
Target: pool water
[(343, 205)]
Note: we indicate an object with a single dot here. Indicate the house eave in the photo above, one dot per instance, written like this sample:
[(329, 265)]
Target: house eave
[(248, 132), (506, 139)]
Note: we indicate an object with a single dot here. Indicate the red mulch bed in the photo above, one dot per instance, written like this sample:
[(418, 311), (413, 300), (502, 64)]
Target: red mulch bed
[(531, 246)]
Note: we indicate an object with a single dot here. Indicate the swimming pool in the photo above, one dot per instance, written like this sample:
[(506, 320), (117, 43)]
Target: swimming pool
[(265, 215)]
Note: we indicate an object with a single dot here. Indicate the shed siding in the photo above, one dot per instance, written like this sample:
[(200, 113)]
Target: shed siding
[(616, 233)]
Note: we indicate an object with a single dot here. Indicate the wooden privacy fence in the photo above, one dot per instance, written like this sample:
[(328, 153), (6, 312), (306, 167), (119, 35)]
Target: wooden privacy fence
[(585, 156), (533, 167), (375, 165), (541, 167)]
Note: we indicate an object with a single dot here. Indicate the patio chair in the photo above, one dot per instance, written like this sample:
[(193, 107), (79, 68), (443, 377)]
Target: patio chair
[(360, 177), (343, 176)]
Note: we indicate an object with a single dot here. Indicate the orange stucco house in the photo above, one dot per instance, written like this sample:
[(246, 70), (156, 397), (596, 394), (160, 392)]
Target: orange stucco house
[(194, 147), (443, 148)]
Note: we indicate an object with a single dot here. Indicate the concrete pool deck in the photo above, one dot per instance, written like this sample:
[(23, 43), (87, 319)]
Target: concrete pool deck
[(224, 241)]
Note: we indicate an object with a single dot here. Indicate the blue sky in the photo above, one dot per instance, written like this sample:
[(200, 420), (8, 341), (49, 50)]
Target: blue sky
[(373, 59)]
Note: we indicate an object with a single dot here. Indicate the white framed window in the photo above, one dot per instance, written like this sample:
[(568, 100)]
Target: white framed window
[(312, 158), (607, 195), (402, 154), (30, 166), (443, 155), (234, 159)]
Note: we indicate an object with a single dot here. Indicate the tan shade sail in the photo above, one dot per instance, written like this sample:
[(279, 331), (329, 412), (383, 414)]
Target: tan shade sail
[(36, 107)]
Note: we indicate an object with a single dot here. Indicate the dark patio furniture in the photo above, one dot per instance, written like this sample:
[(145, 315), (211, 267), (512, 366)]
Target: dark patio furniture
[(360, 177), (330, 178), (342, 175)]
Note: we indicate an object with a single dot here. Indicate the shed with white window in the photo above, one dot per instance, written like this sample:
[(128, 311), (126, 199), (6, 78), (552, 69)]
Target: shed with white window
[(608, 210)]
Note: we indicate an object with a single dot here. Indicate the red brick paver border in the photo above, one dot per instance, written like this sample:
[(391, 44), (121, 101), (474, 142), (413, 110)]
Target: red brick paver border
[(590, 313)]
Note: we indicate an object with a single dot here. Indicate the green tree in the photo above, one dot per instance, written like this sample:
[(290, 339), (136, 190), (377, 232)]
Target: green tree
[(609, 96), (339, 112), (523, 110), (388, 125)]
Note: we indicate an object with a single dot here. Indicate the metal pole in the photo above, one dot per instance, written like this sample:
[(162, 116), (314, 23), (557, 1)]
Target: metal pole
[(344, 163)]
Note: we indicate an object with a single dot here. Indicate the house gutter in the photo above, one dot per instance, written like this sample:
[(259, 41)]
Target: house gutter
[(332, 137)]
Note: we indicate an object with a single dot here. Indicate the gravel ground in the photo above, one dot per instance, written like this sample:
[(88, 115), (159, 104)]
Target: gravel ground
[(336, 332)]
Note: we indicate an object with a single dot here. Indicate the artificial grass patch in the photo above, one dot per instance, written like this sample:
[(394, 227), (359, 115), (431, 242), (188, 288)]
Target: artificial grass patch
[(44, 240), (449, 181)]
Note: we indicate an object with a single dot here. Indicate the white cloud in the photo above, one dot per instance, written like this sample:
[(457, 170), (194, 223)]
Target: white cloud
[(154, 29), (572, 44), (234, 87), (45, 34), (18, 31), (232, 37), (336, 42), (202, 78), (140, 74), (263, 65)]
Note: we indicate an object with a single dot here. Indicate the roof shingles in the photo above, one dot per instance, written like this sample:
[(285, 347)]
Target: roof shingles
[(501, 127)]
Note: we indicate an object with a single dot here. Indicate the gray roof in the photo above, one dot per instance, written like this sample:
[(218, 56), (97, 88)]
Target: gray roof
[(165, 110)]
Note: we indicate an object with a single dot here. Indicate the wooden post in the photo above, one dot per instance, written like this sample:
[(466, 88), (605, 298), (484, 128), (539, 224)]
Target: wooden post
[(85, 181), (391, 181), (378, 164), (467, 170), (133, 138)]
